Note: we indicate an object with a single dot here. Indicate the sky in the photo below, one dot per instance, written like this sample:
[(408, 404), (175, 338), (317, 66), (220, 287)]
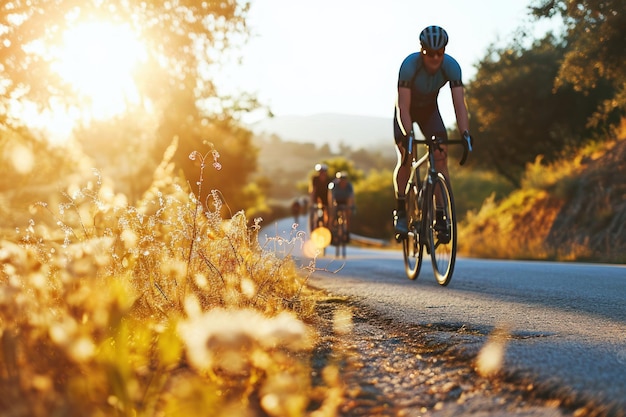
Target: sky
[(342, 56)]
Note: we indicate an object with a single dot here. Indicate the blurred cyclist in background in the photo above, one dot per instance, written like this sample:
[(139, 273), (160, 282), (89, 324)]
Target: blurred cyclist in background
[(318, 192), (421, 76), (296, 207), (341, 193)]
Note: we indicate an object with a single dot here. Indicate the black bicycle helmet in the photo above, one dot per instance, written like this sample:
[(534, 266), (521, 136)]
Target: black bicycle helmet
[(433, 37)]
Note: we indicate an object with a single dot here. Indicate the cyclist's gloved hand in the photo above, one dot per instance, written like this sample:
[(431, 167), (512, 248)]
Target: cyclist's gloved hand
[(469, 139), (407, 139), (407, 142)]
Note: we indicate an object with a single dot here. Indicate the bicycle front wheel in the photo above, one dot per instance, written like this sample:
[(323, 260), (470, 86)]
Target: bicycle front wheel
[(441, 229), (412, 245)]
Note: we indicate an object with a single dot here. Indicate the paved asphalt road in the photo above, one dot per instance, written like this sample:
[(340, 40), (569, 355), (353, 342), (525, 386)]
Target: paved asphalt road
[(566, 321)]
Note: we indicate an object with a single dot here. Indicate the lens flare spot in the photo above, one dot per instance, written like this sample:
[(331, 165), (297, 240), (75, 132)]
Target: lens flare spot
[(321, 237), (22, 159)]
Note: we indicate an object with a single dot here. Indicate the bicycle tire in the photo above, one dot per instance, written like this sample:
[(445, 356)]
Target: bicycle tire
[(442, 243), (342, 233), (412, 244)]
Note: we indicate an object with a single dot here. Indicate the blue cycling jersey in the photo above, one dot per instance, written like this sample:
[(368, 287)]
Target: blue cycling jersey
[(424, 86), (341, 195)]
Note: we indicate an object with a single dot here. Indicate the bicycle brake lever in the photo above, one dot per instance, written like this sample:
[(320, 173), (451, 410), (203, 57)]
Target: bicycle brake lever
[(466, 149), (468, 140), (464, 158)]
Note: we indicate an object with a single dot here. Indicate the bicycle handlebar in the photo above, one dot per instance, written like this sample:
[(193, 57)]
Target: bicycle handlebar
[(436, 141)]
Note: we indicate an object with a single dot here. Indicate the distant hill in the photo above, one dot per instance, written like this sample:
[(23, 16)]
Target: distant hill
[(352, 130)]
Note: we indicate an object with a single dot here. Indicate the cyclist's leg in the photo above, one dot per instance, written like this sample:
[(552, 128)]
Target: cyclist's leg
[(327, 214), (402, 169), (401, 174), (431, 124)]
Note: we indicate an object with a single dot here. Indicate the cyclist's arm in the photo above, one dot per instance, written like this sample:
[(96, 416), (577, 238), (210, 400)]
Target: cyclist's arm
[(460, 108), (331, 196), (404, 110)]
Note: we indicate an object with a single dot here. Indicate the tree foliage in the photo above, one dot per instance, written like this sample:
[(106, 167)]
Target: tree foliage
[(517, 112), (186, 42), (375, 202), (182, 38), (595, 35), (554, 95)]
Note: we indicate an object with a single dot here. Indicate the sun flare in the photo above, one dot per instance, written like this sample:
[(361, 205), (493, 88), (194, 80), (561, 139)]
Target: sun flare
[(98, 59)]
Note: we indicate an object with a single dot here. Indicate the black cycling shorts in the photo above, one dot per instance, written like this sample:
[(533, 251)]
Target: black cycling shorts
[(428, 120)]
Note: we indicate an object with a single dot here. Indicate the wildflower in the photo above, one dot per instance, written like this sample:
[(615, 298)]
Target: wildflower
[(207, 336), (129, 238), (82, 349), (247, 287)]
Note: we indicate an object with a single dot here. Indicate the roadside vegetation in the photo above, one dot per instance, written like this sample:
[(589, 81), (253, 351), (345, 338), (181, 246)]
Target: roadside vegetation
[(132, 282), (162, 308), (572, 209)]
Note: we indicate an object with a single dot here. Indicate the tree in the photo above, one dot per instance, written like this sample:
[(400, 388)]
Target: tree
[(341, 164), (516, 112), (185, 42), (595, 35), (183, 38)]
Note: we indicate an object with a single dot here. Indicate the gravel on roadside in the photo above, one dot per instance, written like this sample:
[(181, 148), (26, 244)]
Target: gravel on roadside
[(393, 369)]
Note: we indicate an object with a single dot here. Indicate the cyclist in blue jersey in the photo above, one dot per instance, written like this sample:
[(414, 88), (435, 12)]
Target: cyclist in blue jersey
[(341, 193), (422, 74), (318, 192)]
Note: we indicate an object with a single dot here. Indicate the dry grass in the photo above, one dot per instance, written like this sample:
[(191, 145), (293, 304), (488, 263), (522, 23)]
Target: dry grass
[(571, 210), (515, 228), (165, 308)]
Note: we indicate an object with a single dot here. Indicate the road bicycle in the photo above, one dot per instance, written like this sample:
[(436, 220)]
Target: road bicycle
[(340, 229), (430, 211)]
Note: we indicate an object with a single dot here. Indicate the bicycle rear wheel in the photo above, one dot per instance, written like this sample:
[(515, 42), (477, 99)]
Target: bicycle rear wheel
[(441, 230), (341, 230), (412, 244)]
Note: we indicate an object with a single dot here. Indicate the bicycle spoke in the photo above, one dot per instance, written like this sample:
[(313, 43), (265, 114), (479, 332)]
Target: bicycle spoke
[(442, 230), (412, 246)]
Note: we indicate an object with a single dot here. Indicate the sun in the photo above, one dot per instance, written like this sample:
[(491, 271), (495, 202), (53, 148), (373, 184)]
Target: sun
[(98, 60)]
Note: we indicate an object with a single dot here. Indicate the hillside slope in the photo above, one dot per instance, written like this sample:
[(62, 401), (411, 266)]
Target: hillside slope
[(579, 216), (595, 216)]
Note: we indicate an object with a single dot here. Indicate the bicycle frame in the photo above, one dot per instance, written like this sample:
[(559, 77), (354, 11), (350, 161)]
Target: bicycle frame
[(430, 212), (433, 142), (318, 216), (340, 227), (417, 163)]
